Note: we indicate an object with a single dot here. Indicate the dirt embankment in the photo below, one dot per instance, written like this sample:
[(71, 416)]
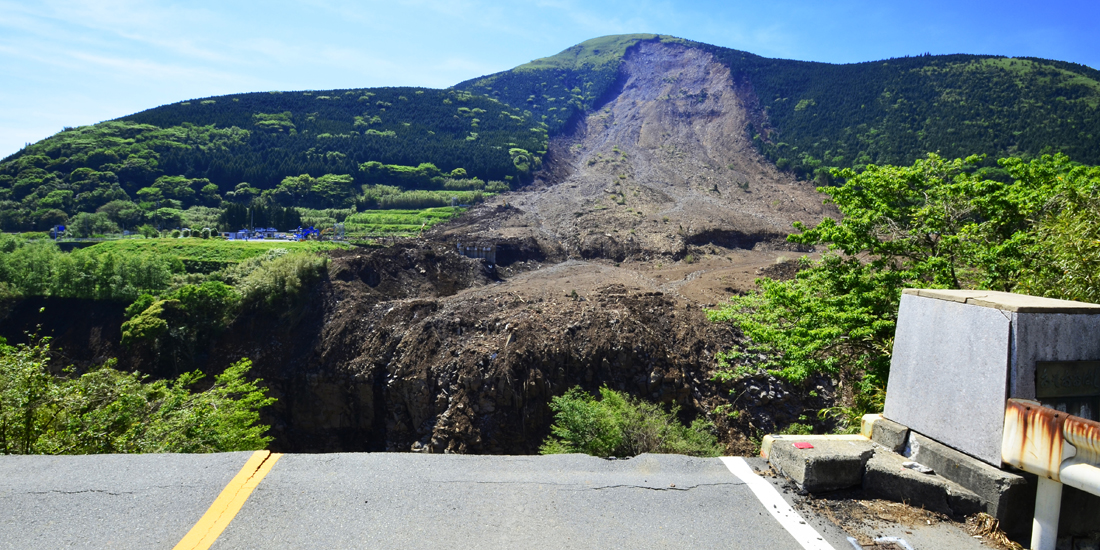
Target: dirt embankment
[(432, 367), (653, 209)]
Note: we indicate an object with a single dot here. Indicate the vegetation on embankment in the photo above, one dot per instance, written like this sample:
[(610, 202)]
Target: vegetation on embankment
[(181, 292), (621, 426), (202, 254)]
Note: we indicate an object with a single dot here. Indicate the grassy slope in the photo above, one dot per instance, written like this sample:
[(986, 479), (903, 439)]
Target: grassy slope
[(206, 250)]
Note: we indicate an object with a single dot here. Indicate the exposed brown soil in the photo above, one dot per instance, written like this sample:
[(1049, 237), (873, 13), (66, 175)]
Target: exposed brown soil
[(654, 208), (663, 169)]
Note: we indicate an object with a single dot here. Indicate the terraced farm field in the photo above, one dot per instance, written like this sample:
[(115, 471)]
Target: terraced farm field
[(207, 254)]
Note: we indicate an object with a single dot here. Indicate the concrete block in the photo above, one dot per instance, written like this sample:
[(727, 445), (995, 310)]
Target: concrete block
[(770, 439), (1004, 495), (831, 464), (885, 477), (885, 432), (949, 373), (1049, 337), (1007, 301)]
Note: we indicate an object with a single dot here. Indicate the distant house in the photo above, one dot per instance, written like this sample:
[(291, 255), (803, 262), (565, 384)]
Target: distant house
[(258, 233)]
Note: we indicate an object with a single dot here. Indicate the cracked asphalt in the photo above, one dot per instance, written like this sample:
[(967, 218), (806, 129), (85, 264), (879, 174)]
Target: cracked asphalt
[(108, 501), (390, 500)]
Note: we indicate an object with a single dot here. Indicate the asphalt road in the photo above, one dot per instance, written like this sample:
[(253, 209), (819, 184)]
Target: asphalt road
[(390, 500), (108, 501)]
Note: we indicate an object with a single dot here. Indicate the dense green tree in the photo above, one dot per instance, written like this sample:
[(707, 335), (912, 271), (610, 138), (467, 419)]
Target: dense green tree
[(88, 225)]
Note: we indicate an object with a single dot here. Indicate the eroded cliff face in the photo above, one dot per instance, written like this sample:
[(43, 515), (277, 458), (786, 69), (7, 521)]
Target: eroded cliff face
[(474, 371), (655, 207)]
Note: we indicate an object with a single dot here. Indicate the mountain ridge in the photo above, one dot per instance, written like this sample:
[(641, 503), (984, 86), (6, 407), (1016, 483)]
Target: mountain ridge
[(807, 117)]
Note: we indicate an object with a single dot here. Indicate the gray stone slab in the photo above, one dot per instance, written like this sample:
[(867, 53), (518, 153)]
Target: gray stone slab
[(1049, 337), (885, 477), (889, 434), (1007, 301), (1004, 495), (949, 373), (828, 466)]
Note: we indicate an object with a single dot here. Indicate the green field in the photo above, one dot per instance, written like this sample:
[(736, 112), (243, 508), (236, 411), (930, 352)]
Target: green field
[(370, 223), (206, 254)]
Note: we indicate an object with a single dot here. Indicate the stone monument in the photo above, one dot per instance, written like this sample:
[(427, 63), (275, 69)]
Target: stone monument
[(960, 354)]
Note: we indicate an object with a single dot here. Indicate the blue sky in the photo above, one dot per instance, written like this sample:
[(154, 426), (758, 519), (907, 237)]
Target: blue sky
[(76, 62)]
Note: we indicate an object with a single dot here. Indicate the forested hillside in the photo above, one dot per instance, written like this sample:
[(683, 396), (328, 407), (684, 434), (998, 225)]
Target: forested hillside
[(820, 115), (554, 89), (346, 149), (201, 162), (896, 111)]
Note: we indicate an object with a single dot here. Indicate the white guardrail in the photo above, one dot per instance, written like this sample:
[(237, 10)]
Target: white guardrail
[(1059, 448)]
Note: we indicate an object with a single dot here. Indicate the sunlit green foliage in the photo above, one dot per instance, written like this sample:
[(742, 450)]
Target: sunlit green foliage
[(398, 222), (894, 111), (276, 280), (618, 425), (108, 411), (39, 268), (935, 224), (333, 132), (554, 89), (262, 151)]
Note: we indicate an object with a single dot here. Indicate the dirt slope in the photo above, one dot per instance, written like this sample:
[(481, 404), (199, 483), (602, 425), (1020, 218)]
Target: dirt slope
[(663, 167)]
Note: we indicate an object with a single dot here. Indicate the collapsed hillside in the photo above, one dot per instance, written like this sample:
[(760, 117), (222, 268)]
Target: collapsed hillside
[(654, 206), (662, 169), (660, 173)]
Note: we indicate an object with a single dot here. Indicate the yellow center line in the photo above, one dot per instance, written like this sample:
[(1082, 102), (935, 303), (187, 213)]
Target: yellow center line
[(229, 502)]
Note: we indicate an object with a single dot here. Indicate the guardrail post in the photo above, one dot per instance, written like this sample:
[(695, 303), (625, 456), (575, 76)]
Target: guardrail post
[(1048, 507)]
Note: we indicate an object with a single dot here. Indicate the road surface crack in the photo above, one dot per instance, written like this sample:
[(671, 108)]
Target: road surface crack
[(112, 493), (669, 488), (598, 487)]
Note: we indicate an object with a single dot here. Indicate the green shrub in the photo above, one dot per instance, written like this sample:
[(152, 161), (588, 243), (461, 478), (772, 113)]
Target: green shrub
[(278, 279), (795, 428), (109, 411), (618, 425)]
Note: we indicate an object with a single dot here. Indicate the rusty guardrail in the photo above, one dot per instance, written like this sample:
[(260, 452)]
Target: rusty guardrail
[(1059, 448)]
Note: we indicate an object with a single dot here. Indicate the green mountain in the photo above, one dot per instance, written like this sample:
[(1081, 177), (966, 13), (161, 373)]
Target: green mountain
[(819, 115), (201, 161)]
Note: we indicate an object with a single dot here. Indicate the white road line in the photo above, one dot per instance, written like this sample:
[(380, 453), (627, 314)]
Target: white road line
[(805, 535)]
